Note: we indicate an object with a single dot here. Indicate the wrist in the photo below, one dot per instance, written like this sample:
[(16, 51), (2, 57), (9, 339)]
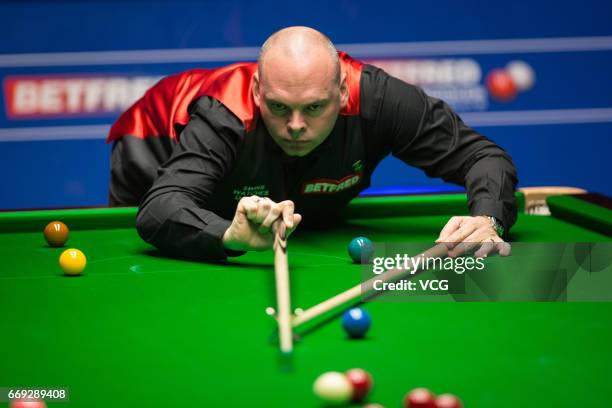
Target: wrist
[(497, 225), (228, 241)]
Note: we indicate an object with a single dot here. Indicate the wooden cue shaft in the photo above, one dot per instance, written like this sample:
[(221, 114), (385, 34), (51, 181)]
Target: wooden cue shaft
[(356, 291), (283, 301)]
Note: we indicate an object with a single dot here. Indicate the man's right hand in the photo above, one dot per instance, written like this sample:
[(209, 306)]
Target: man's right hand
[(251, 228)]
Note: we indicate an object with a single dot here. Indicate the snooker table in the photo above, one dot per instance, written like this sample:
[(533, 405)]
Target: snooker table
[(142, 330)]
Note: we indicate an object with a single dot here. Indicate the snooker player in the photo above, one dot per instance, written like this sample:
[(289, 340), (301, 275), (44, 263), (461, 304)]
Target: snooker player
[(213, 157)]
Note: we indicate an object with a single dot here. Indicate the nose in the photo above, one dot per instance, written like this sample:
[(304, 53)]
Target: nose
[(296, 125)]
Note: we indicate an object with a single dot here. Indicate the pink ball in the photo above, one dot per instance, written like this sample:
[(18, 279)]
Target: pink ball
[(28, 404)]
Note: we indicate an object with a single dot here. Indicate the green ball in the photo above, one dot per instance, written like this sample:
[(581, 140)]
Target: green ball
[(361, 250)]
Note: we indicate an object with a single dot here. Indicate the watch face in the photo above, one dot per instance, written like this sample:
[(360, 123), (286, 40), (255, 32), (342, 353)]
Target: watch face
[(497, 226)]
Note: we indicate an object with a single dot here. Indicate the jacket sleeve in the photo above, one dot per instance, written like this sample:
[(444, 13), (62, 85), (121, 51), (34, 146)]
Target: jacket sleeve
[(425, 132), (172, 215)]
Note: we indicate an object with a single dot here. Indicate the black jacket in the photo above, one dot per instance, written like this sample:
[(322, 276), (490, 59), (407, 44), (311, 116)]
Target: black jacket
[(194, 196)]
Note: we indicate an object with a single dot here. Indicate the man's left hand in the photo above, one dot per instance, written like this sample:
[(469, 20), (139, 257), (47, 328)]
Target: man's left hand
[(463, 234)]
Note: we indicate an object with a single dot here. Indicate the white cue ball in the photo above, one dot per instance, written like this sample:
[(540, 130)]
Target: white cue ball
[(522, 74), (333, 388)]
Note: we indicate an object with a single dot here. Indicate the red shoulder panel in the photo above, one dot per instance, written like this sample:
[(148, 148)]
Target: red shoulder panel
[(353, 69), (166, 104)]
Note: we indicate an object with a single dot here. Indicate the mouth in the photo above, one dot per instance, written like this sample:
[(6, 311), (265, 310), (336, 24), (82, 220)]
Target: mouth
[(296, 143), (296, 147)]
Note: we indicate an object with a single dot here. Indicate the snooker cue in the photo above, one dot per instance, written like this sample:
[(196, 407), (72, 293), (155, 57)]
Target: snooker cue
[(283, 301), (354, 292)]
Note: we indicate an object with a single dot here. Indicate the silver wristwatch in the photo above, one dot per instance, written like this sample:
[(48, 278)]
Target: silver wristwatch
[(497, 226)]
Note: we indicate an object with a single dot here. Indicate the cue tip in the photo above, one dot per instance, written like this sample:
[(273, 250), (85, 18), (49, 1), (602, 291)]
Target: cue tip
[(286, 361)]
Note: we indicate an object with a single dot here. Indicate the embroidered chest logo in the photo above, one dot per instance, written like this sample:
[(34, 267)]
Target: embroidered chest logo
[(329, 186), (246, 191)]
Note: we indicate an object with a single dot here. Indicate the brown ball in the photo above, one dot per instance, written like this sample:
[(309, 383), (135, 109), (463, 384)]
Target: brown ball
[(56, 233)]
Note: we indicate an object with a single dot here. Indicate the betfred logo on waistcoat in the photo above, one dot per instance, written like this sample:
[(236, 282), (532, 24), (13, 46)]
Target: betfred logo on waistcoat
[(328, 186)]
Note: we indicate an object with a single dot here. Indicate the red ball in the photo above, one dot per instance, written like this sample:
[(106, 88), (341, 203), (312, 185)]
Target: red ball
[(420, 398), (28, 404), (361, 381), (448, 401), (501, 85)]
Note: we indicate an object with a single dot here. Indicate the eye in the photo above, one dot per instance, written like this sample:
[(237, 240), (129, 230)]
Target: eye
[(315, 107), (277, 107)]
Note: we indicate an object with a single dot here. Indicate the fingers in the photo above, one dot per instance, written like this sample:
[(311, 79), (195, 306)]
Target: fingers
[(481, 232), (494, 245), (264, 207), (451, 226), (467, 245), (297, 218), (486, 248), (504, 248), (252, 224), (295, 221), (287, 210), (263, 212), (460, 235), (282, 211), (464, 234), (248, 206), (482, 239)]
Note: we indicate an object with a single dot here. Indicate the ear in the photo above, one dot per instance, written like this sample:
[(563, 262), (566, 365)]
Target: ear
[(256, 89), (344, 92)]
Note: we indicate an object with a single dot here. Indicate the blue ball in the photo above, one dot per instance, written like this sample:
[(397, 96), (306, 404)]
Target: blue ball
[(356, 322), (361, 250)]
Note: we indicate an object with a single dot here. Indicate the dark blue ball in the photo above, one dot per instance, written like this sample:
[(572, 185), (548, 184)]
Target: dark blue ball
[(361, 250), (356, 322)]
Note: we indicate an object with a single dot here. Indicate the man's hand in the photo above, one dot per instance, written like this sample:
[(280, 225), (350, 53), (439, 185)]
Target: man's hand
[(251, 228), (462, 234)]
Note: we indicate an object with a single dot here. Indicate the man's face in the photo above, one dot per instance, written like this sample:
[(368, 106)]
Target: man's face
[(299, 111)]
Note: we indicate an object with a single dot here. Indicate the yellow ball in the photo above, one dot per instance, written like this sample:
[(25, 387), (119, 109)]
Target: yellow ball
[(72, 261)]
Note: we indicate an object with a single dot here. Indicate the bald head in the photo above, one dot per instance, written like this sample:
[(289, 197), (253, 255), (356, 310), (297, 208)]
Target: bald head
[(299, 50), (299, 89)]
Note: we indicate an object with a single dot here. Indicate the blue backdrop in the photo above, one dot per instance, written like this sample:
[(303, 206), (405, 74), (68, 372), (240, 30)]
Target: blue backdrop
[(68, 68)]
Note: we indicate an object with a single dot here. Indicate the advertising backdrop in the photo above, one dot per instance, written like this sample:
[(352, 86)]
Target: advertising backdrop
[(533, 76)]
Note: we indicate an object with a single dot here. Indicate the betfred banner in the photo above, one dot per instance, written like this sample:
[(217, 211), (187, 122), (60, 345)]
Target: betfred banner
[(51, 96)]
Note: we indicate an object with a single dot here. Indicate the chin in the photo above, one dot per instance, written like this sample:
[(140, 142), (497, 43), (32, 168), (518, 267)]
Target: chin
[(296, 152), (299, 150)]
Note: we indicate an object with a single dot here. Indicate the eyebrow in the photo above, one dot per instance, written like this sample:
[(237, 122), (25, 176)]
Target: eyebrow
[(321, 101)]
